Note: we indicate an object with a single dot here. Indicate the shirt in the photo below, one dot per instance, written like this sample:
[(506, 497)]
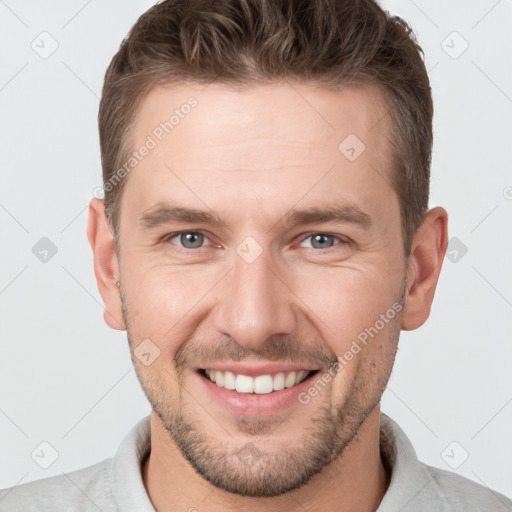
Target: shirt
[(116, 484)]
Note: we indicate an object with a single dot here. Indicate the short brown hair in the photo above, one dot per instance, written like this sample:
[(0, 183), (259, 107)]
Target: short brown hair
[(331, 43)]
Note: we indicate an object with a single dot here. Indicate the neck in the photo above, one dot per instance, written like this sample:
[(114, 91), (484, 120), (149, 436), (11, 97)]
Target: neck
[(356, 481)]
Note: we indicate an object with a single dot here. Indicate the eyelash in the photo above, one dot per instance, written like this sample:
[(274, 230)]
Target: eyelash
[(343, 241)]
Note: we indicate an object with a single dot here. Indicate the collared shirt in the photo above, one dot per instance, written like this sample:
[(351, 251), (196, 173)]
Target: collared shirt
[(116, 484)]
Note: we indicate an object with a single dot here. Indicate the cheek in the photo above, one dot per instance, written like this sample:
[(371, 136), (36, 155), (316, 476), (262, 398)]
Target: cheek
[(166, 304), (365, 361), (158, 298), (344, 301)]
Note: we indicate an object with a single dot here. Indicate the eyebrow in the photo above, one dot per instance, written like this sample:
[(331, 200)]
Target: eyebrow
[(341, 213), (164, 213)]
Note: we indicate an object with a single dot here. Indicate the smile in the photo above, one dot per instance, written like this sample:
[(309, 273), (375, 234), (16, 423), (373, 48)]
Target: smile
[(260, 385)]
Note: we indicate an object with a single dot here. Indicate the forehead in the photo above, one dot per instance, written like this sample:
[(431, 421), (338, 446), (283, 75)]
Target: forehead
[(282, 113), (252, 143)]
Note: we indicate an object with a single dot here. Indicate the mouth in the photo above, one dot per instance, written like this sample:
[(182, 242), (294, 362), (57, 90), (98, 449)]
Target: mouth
[(257, 384), (254, 389)]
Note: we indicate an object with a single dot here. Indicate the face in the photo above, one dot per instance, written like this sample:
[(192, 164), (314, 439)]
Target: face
[(255, 251)]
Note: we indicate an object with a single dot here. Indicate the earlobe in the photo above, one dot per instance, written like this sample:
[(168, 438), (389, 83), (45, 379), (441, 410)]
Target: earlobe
[(424, 266), (106, 267)]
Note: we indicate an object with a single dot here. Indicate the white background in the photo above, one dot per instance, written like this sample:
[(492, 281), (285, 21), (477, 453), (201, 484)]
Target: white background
[(67, 379)]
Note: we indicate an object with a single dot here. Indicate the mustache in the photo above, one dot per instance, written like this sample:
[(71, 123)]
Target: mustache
[(276, 348)]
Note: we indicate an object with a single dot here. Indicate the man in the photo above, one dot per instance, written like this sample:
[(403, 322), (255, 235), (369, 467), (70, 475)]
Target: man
[(264, 237)]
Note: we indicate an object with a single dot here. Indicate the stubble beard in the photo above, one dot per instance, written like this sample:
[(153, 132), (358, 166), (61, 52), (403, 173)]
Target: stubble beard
[(248, 468)]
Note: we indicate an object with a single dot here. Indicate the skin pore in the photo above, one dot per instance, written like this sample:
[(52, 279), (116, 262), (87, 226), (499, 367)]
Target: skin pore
[(250, 158)]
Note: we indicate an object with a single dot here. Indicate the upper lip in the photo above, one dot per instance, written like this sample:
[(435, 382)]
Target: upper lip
[(254, 369)]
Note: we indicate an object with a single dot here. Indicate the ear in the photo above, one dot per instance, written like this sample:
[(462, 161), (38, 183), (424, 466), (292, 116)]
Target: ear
[(106, 266), (424, 266)]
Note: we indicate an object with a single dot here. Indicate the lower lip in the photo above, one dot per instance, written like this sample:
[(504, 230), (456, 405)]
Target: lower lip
[(252, 404)]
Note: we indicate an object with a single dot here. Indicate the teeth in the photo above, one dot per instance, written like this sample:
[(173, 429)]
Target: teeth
[(300, 376), (263, 384), (290, 379), (279, 382), (229, 380), (244, 384)]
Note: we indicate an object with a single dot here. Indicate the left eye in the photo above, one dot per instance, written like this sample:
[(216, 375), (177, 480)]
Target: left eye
[(188, 239), (321, 241)]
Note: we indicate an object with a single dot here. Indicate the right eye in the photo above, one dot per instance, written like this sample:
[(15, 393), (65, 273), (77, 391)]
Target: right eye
[(187, 240)]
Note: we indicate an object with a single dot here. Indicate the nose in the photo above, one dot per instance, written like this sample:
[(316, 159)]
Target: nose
[(254, 303)]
